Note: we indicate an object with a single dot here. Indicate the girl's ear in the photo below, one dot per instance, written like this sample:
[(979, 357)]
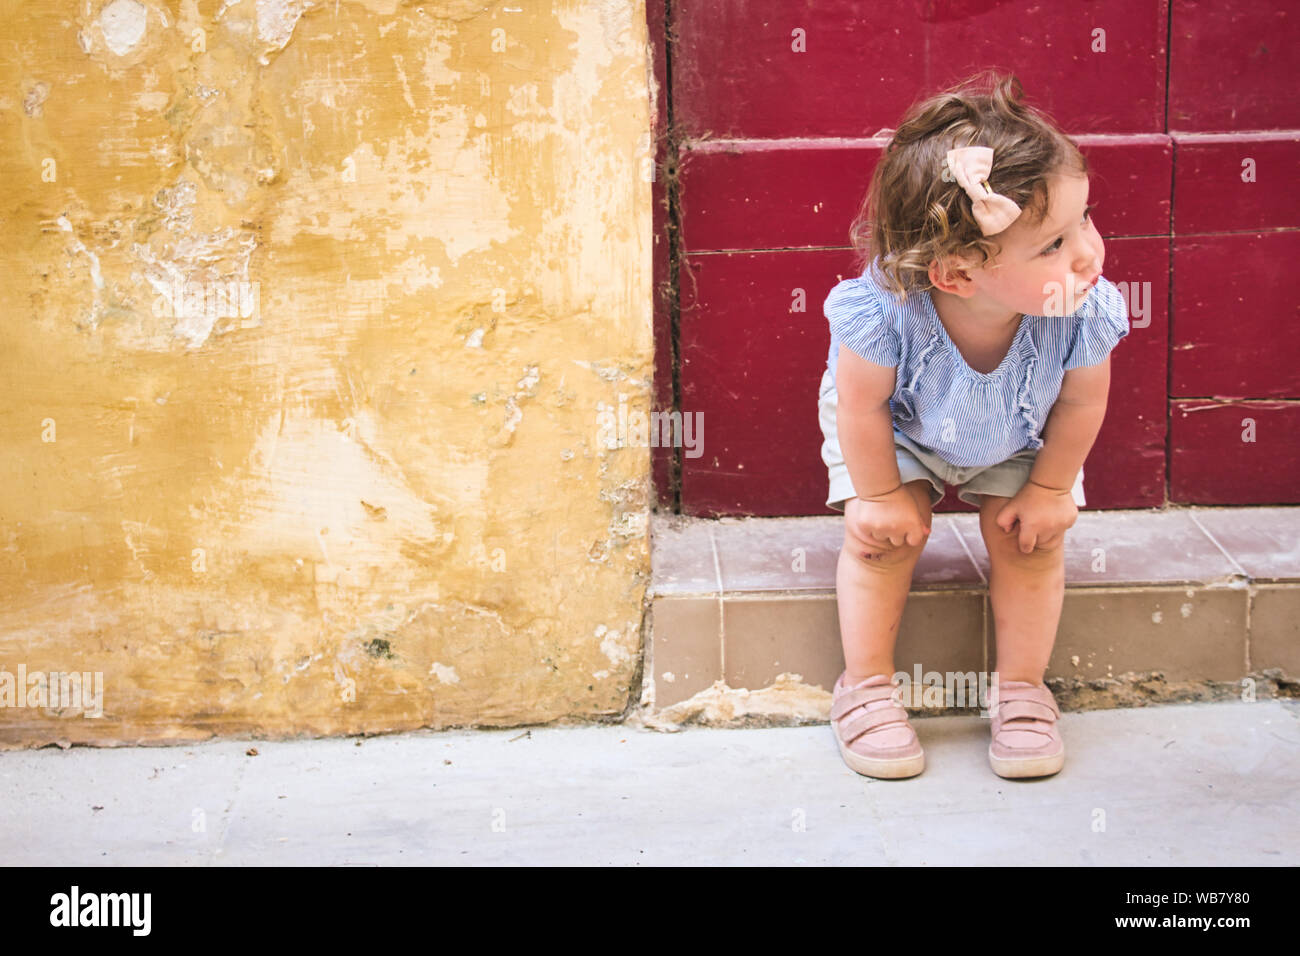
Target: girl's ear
[(949, 274)]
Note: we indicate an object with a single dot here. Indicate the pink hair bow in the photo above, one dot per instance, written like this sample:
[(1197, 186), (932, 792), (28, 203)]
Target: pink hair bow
[(971, 166)]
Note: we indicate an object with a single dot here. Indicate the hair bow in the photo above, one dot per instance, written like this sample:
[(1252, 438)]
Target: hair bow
[(971, 166)]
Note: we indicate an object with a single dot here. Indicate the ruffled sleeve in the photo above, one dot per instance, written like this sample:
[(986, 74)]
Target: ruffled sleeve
[(858, 320), (1098, 327)]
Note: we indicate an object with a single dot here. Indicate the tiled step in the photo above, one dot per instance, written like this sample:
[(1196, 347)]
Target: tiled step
[(1183, 604)]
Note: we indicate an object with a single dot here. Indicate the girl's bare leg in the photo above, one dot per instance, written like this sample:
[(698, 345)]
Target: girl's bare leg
[(871, 593), (1027, 592)]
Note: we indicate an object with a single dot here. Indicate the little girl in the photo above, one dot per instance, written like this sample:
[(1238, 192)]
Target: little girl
[(973, 350)]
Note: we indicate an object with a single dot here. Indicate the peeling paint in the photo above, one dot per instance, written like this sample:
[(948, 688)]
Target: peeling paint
[(277, 18), (96, 274), (445, 674), (34, 98), (615, 647), (123, 23), (198, 263)]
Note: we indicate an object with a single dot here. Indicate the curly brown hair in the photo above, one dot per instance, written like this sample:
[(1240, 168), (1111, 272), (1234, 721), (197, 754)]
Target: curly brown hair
[(912, 215)]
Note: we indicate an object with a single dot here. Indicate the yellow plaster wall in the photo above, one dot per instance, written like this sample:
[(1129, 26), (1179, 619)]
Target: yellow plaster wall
[(349, 479)]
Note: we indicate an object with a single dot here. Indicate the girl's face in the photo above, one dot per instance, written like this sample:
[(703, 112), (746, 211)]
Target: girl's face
[(1050, 269)]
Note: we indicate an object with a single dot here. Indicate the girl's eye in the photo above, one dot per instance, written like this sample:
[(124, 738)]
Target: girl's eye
[(1087, 211)]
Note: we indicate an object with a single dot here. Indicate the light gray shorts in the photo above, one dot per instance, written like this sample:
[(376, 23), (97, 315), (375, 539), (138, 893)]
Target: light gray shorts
[(1005, 478)]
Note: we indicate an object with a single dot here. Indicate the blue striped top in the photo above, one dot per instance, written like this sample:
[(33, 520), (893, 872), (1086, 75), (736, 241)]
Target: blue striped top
[(971, 419)]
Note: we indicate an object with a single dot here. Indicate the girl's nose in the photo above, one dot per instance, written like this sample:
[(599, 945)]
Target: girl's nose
[(1088, 259), (1088, 263)]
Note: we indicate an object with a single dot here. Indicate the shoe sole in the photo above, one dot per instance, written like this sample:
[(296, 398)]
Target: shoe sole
[(893, 768), (1013, 767)]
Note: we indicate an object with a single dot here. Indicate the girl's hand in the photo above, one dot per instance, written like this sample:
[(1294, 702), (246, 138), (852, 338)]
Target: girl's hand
[(886, 522), (1043, 513)]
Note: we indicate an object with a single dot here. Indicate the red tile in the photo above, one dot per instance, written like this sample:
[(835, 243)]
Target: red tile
[(1210, 194), (737, 72), (798, 193), (773, 195), (1232, 66), (752, 367), (1130, 183), (1234, 453), (1234, 322)]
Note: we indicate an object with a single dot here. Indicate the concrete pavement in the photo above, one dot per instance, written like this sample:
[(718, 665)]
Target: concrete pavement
[(1194, 784)]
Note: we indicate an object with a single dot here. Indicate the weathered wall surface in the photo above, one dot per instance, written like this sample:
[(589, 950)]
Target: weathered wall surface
[(310, 313)]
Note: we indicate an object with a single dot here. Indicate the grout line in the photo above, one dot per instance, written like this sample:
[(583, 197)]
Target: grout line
[(722, 616), (1250, 606), (751, 250), (986, 604), (828, 592), (676, 253), (1167, 236), (817, 594)]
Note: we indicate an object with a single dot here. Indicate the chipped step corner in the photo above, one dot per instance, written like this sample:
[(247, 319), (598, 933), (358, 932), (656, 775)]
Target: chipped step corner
[(787, 701)]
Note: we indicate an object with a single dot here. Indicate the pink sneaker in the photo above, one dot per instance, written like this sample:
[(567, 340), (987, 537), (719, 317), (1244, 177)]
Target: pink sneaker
[(1026, 741), (872, 731)]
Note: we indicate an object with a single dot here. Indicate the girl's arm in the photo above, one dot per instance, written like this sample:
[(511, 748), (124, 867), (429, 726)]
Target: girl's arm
[(864, 423), (1072, 426)]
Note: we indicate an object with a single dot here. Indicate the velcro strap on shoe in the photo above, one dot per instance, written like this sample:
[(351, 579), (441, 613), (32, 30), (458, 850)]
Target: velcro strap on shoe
[(1011, 709), (1038, 695), (1028, 728), (856, 726), (857, 697)]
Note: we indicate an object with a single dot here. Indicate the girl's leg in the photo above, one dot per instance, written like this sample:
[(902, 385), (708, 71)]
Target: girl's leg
[(1026, 591), (870, 593)]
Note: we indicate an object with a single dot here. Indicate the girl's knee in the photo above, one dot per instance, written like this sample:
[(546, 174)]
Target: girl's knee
[(880, 557), (1004, 548)]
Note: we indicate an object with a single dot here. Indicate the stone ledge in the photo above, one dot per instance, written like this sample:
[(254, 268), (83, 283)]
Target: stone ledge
[(1180, 605)]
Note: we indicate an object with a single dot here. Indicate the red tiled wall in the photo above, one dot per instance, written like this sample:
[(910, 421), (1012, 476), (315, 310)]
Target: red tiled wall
[(776, 153), (1233, 109)]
